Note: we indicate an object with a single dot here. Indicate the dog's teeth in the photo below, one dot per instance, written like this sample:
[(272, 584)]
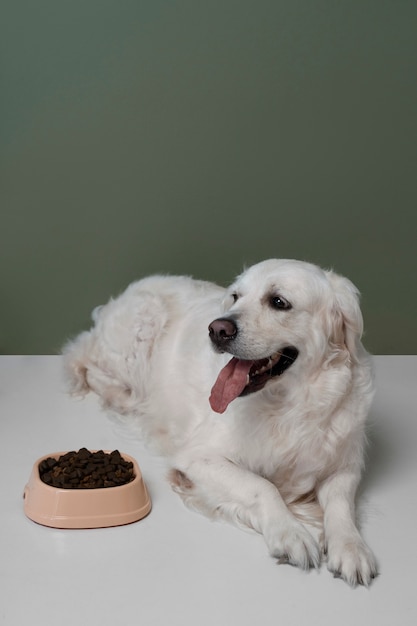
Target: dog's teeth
[(271, 360)]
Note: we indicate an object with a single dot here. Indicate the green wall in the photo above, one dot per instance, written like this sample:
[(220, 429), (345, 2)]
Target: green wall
[(198, 136)]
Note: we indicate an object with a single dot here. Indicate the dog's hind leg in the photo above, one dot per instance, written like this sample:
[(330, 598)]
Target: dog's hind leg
[(113, 358)]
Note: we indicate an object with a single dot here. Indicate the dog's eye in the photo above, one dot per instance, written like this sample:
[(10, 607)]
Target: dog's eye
[(235, 297), (280, 303)]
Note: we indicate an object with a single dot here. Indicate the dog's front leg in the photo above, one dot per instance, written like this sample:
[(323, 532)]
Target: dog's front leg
[(217, 486), (348, 556)]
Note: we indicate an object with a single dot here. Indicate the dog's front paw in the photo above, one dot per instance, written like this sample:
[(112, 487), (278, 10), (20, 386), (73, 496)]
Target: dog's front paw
[(351, 560), (292, 543)]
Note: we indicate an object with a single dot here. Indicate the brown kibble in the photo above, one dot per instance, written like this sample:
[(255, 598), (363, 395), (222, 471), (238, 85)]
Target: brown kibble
[(86, 470)]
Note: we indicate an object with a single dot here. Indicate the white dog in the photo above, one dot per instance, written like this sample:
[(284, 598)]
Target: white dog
[(261, 418)]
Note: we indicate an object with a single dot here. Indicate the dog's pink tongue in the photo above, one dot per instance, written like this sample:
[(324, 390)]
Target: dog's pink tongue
[(229, 384)]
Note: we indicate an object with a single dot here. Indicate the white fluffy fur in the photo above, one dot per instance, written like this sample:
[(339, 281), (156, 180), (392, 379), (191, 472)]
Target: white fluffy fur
[(297, 445)]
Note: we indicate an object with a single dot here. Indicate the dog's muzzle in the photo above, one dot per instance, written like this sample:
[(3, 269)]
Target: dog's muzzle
[(241, 377)]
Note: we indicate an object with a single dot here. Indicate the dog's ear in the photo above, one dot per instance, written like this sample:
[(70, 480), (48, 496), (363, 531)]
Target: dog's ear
[(346, 322)]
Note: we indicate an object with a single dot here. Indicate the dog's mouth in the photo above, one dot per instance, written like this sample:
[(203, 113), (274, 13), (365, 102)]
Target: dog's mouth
[(240, 377)]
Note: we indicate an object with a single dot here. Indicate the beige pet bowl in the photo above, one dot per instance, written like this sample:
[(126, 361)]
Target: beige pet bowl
[(85, 508)]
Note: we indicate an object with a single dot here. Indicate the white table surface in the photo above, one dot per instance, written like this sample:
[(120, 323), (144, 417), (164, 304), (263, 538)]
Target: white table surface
[(175, 566)]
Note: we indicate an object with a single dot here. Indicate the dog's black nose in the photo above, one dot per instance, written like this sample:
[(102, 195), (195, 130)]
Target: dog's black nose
[(222, 331)]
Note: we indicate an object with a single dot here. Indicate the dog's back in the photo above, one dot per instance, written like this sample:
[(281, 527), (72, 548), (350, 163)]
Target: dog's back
[(127, 357)]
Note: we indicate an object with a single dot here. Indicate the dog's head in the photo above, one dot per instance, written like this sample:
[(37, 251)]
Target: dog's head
[(276, 313)]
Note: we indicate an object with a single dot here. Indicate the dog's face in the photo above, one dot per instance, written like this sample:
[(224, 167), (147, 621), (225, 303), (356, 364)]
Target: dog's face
[(275, 313)]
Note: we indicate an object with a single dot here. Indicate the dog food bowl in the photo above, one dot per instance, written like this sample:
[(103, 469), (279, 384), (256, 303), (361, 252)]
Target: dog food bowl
[(85, 508)]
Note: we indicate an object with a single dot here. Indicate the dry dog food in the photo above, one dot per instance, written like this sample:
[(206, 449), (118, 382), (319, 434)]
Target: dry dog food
[(86, 470)]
